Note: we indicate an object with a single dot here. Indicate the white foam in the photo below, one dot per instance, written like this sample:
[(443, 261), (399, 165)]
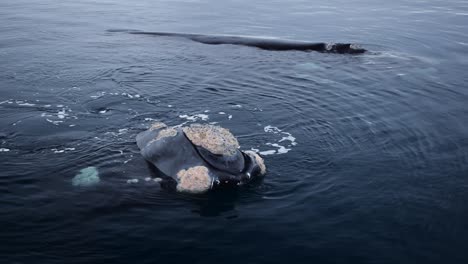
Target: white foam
[(221, 113), (132, 181), (271, 129), (180, 125), (61, 114), (147, 179), (267, 152), (57, 151), (195, 117), (4, 150), (54, 122), (288, 137), (230, 117), (100, 94), (18, 102), (281, 149), (27, 104)]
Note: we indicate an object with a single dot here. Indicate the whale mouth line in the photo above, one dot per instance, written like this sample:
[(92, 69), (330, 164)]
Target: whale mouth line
[(271, 44)]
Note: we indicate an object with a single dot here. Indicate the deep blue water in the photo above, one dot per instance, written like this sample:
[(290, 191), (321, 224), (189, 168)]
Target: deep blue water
[(378, 172)]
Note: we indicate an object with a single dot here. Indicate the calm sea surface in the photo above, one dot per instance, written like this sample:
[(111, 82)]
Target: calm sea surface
[(367, 155)]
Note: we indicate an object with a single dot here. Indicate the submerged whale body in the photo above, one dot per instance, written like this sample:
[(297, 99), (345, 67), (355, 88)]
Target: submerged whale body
[(199, 157), (261, 43)]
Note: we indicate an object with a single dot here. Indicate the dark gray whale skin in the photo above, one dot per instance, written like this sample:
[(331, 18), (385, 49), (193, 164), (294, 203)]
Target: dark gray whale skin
[(261, 43)]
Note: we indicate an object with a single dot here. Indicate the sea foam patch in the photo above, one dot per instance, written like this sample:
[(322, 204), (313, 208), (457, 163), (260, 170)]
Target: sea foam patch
[(54, 114), (130, 181), (57, 151), (58, 115), (195, 117), (287, 141)]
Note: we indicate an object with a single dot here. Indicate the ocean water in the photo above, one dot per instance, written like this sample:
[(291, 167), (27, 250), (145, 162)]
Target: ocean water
[(367, 155)]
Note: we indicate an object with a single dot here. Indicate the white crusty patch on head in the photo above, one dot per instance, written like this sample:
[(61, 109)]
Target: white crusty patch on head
[(157, 125), (215, 139), (194, 180), (260, 162), (168, 132)]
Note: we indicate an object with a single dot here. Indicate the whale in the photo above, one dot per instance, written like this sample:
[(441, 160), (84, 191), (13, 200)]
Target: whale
[(199, 157), (270, 44)]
